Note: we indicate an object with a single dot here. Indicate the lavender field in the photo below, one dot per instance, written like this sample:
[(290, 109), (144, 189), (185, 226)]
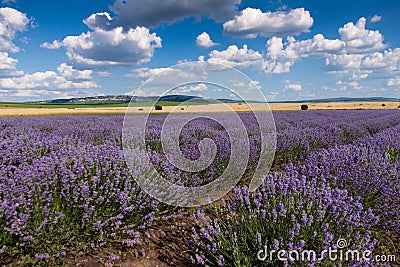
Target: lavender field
[(66, 193)]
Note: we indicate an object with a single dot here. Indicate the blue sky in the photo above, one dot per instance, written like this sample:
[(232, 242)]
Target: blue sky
[(293, 50)]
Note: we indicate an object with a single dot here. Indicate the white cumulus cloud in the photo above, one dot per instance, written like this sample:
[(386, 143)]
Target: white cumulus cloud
[(294, 86), (356, 53), (11, 22), (174, 74), (252, 22), (201, 87), (376, 18), (104, 48), (204, 40), (343, 62), (53, 45), (279, 55), (8, 66), (236, 57), (72, 74), (318, 46), (389, 59), (43, 80), (360, 40), (279, 59), (393, 81)]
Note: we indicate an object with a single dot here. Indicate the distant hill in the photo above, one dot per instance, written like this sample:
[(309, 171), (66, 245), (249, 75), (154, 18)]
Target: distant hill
[(118, 99), (90, 100)]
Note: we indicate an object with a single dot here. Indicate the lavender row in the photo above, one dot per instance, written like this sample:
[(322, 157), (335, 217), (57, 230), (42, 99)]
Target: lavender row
[(349, 191), (64, 180), (289, 212), (369, 168), (65, 187), (299, 133)]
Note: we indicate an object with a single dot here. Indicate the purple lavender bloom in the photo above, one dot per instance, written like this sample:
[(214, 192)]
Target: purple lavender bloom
[(42, 256), (221, 261)]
